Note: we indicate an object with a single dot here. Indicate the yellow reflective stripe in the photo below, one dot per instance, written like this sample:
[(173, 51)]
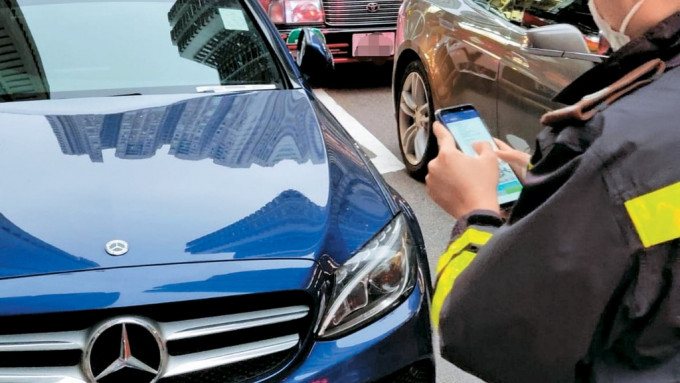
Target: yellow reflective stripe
[(446, 280), (471, 235), (656, 215)]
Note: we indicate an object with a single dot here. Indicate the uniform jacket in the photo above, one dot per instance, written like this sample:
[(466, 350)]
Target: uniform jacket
[(582, 283)]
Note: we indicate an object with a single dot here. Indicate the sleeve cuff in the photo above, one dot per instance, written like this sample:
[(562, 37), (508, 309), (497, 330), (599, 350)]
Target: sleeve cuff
[(477, 218)]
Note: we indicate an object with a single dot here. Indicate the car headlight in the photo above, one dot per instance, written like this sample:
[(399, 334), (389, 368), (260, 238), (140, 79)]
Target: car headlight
[(296, 11), (373, 281)]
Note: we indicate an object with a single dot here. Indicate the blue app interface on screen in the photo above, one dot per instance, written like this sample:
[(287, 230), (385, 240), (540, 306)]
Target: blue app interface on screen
[(467, 127)]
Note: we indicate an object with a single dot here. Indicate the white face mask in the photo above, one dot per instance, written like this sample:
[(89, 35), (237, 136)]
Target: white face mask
[(616, 39)]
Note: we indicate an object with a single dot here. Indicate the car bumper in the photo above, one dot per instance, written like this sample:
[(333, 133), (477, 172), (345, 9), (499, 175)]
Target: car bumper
[(339, 41), (68, 307)]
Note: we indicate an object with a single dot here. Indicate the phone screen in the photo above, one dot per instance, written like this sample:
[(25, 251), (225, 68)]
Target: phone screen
[(467, 127)]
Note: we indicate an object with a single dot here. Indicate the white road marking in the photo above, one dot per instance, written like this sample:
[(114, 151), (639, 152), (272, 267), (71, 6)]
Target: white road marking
[(382, 158)]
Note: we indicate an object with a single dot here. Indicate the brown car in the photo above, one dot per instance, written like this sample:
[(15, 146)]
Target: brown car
[(508, 58)]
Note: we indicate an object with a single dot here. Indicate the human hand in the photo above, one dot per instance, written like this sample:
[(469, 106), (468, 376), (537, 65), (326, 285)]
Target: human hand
[(460, 183), (517, 159)]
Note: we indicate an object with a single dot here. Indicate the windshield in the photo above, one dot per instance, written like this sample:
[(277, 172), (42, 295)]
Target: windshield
[(81, 48)]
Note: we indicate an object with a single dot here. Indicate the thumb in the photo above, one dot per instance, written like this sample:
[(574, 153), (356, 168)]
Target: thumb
[(442, 133), (483, 148)]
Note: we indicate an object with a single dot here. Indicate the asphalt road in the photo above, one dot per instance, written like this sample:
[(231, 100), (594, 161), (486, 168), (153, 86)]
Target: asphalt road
[(364, 92)]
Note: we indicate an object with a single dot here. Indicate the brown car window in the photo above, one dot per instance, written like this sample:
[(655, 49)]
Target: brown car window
[(531, 13)]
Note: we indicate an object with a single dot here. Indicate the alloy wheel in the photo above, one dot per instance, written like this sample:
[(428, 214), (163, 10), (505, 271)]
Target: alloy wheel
[(414, 118)]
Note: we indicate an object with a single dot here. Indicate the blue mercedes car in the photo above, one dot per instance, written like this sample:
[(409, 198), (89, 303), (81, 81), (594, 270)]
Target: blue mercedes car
[(176, 206)]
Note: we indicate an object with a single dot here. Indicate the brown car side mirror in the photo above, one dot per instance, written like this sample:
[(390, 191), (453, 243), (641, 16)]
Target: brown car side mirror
[(559, 40)]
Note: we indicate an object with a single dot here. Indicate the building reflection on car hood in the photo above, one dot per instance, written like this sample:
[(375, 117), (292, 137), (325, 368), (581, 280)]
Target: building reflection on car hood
[(219, 177)]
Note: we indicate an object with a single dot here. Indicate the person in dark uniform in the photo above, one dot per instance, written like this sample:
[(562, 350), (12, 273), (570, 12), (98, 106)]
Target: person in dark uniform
[(581, 281)]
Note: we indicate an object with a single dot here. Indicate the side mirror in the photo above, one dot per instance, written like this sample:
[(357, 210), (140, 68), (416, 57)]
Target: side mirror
[(313, 56), (559, 40)]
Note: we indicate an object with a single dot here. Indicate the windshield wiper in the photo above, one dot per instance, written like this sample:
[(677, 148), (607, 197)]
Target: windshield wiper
[(233, 88), (126, 94)]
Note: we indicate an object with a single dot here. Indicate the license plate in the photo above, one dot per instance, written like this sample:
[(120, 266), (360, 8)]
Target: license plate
[(373, 44)]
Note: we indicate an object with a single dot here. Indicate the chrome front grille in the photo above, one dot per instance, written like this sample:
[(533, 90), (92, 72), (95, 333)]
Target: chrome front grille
[(341, 13), (198, 349)]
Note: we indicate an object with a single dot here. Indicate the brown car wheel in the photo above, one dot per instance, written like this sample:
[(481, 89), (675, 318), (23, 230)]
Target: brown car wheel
[(417, 143)]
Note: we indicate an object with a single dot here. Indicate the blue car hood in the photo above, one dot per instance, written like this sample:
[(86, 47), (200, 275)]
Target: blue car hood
[(181, 179)]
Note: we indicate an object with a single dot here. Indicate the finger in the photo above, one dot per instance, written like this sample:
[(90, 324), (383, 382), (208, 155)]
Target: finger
[(442, 133), (510, 156), (502, 145), (514, 157), (484, 148)]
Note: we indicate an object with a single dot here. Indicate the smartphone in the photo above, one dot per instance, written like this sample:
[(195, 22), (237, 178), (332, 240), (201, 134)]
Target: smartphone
[(467, 127)]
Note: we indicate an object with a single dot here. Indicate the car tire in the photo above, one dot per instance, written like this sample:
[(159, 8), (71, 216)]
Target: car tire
[(415, 114)]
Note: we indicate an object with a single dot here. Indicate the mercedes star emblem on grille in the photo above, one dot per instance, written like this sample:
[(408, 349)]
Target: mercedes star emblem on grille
[(126, 349), (117, 247), (372, 7)]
